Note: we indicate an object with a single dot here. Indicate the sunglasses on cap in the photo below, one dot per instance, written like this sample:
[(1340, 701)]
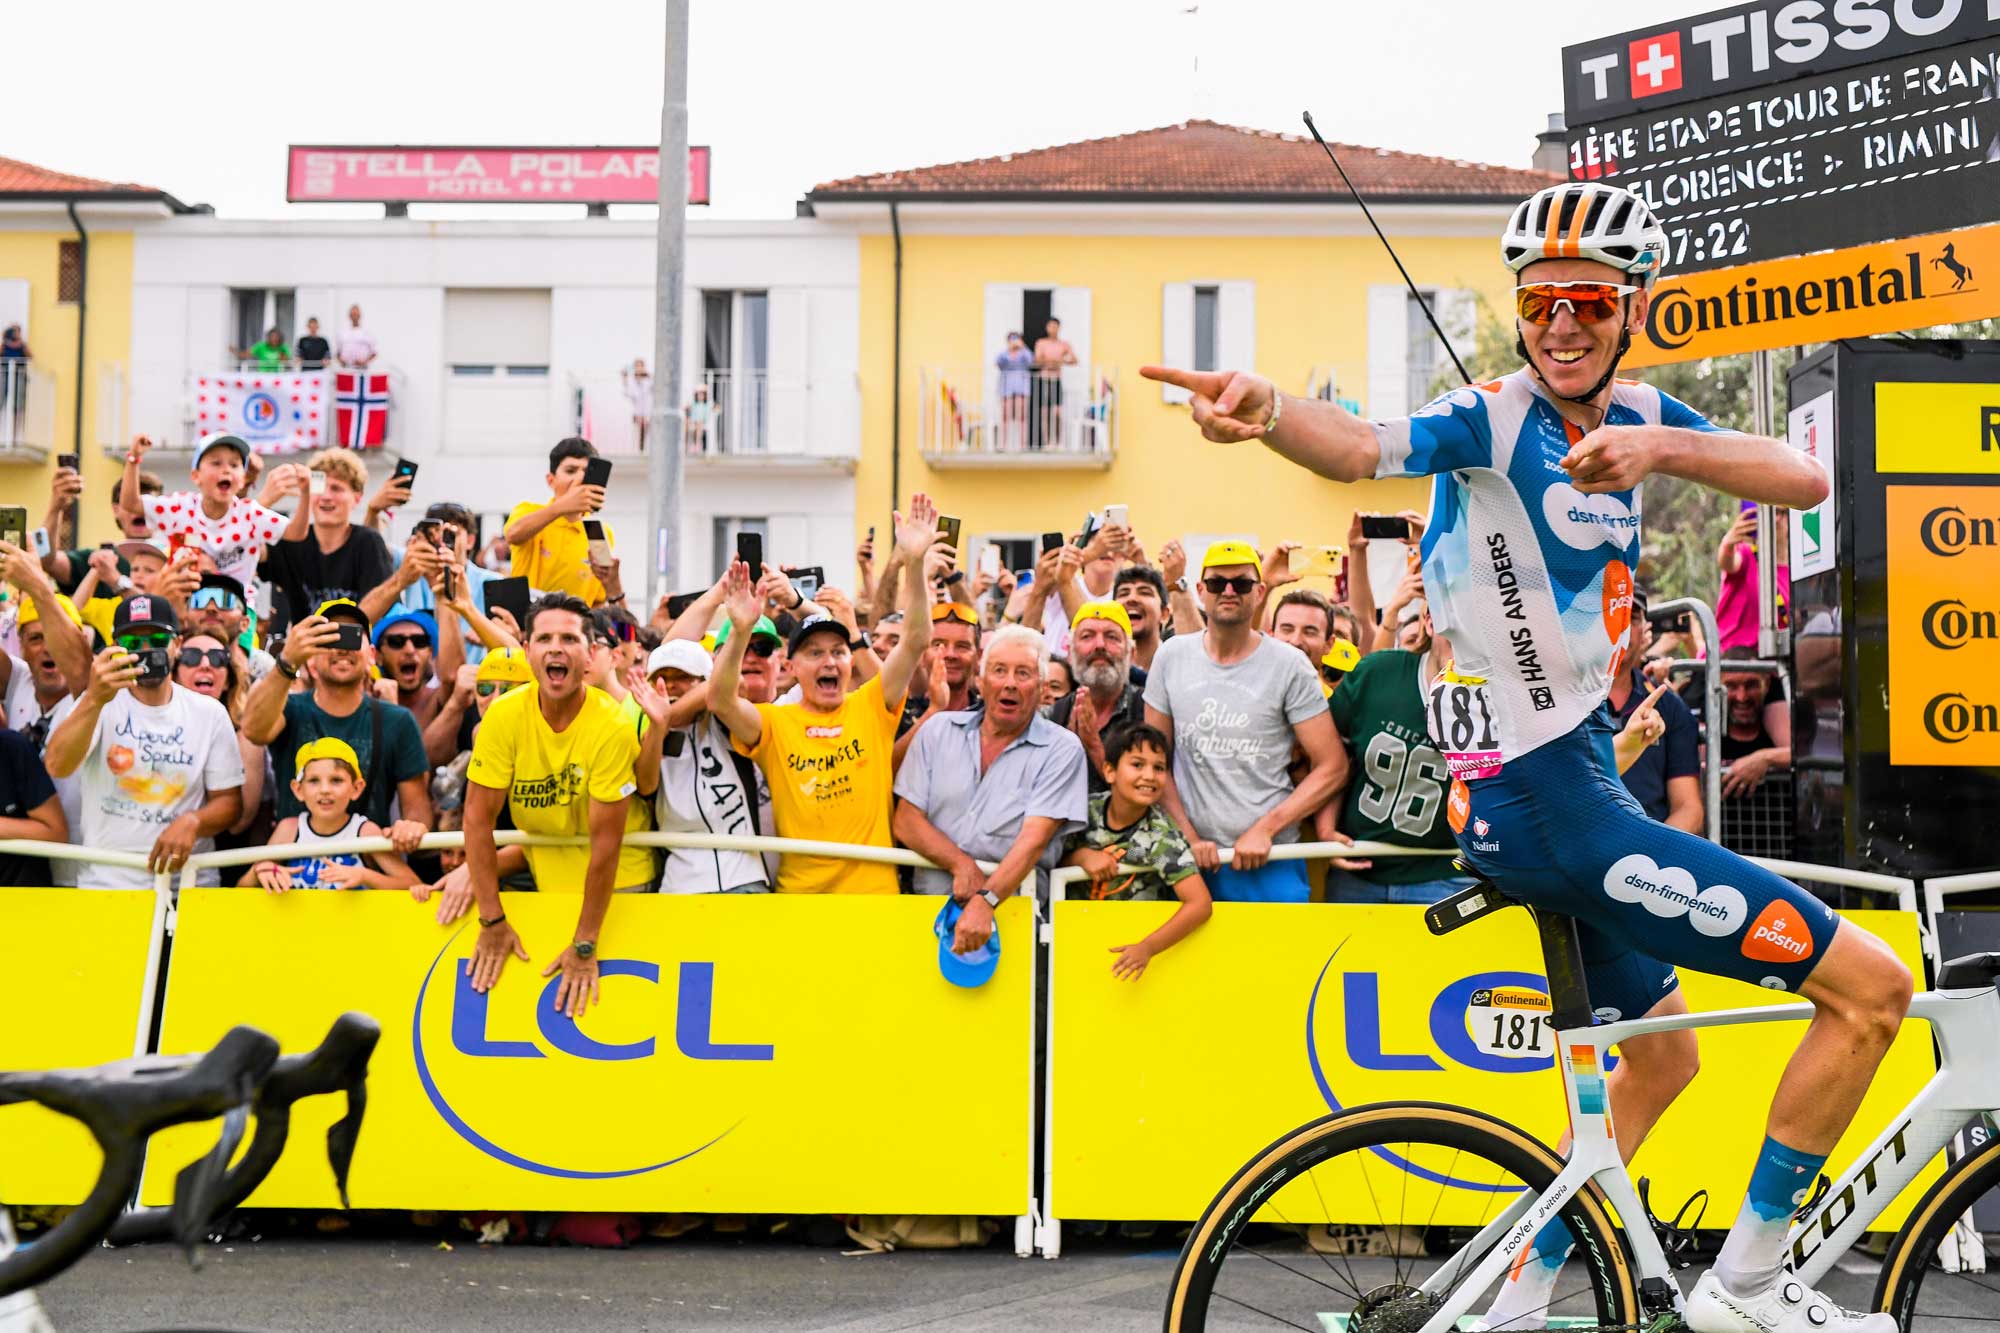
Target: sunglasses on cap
[(1590, 302), (139, 643), (204, 598), (1240, 585), (953, 611), (417, 640), (486, 689), (194, 657)]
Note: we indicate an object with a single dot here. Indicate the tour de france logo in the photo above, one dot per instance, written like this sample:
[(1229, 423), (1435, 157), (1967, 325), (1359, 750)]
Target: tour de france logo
[(494, 1068)]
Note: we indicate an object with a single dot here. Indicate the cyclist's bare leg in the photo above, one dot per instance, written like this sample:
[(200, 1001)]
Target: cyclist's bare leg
[(1651, 1072), (1860, 992)]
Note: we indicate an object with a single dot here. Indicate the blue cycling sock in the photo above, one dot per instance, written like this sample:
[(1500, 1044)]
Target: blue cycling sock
[(1754, 1251)]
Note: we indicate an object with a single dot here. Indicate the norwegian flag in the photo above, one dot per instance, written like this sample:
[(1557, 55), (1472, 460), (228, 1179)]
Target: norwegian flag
[(274, 413), (362, 402)]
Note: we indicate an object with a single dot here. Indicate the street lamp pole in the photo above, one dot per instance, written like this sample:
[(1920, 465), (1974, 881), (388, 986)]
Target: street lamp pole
[(664, 434)]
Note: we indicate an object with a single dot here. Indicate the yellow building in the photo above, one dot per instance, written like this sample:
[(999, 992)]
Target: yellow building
[(66, 284), (1197, 244)]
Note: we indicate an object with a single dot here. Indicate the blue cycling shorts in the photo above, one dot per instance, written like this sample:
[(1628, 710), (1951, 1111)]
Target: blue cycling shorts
[(1557, 829)]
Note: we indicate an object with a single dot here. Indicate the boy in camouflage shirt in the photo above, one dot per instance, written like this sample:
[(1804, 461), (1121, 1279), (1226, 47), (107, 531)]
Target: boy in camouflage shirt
[(1133, 851)]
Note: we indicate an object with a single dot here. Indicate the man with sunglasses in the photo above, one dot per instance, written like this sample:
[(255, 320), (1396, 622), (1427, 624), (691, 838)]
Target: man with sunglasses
[(1528, 569), (55, 653), (406, 650), (160, 771), (1236, 703), (219, 607)]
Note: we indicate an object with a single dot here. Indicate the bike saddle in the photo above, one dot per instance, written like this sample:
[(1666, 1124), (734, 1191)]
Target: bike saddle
[(339, 1063)]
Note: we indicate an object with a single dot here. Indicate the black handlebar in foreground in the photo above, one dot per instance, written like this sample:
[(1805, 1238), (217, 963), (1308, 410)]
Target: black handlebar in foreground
[(126, 1103)]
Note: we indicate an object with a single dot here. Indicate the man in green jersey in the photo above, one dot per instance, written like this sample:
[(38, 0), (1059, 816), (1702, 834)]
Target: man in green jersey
[(1399, 787)]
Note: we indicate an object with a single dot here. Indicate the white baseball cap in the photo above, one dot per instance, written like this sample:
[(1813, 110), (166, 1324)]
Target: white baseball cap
[(679, 655)]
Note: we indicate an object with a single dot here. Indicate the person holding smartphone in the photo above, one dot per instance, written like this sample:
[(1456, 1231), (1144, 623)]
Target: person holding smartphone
[(160, 771), (330, 649), (324, 553), (550, 548)]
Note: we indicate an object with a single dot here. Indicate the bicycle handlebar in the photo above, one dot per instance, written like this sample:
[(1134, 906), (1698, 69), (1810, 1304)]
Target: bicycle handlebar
[(125, 1103)]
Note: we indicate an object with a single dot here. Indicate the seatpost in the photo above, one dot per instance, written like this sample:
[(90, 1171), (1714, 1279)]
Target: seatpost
[(1562, 957)]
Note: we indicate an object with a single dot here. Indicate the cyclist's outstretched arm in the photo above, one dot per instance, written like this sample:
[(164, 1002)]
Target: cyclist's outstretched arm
[(1750, 467), (1233, 407)]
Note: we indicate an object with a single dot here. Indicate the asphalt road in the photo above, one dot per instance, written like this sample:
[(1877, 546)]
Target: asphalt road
[(355, 1285)]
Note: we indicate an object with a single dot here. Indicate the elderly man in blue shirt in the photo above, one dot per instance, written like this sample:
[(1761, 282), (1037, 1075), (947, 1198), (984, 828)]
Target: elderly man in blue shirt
[(999, 783)]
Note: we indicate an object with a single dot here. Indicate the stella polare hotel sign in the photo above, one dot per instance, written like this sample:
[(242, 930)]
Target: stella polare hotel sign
[(363, 174)]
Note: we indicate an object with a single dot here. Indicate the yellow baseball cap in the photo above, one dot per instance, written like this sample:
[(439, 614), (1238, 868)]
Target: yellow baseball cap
[(1110, 611), (1341, 655), (1232, 553), (327, 747), (505, 664), (31, 611)]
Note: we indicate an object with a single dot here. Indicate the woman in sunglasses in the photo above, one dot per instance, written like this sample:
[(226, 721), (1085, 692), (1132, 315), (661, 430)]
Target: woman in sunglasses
[(1527, 569), (207, 666)]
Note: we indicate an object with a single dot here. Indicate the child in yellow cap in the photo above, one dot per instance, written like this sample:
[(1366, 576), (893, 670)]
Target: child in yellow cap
[(328, 784)]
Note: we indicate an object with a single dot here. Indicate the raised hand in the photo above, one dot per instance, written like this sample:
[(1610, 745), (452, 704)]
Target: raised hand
[(740, 597), (1173, 562), (915, 533), (652, 702), (1229, 406)]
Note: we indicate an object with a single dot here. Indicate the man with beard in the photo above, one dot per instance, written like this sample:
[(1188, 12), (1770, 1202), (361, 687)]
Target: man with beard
[(55, 654), (406, 648), (384, 737), (1304, 619), (220, 607), (829, 756), (952, 661), (1236, 702), (559, 759), (999, 783), (1100, 645), (1142, 591)]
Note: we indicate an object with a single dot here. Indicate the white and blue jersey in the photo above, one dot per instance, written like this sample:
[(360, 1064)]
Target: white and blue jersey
[(1530, 578), (1531, 581)]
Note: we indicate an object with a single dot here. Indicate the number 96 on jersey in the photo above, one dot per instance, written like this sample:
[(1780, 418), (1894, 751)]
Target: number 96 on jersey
[(1511, 1021)]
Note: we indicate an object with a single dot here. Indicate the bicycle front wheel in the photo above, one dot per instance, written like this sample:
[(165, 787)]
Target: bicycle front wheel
[(1365, 1220)]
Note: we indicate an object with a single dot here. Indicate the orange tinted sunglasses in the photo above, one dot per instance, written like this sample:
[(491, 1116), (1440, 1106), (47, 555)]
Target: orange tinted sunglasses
[(1590, 302), (953, 611)]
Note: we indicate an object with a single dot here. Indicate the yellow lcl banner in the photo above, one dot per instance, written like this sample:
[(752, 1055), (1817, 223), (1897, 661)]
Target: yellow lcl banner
[(1944, 278), (749, 1055), (1270, 1016), (75, 964), (1944, 624)]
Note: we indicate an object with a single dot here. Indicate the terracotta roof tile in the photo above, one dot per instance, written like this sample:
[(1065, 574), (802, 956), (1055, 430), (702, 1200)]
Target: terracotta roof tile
[(1198, 159), (18, 177)]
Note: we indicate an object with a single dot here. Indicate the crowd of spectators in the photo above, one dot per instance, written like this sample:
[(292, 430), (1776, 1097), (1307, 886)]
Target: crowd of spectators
[(254, 665), (352, 348)]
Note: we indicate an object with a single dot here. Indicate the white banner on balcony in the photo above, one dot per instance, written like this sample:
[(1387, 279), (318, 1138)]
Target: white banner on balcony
[(275, 413)]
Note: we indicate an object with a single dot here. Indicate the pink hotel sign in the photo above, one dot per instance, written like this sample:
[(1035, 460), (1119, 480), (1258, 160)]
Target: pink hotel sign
[(397, 175)]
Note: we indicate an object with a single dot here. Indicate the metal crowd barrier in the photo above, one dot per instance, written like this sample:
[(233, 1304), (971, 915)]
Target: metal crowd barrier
[(1034, 1232)]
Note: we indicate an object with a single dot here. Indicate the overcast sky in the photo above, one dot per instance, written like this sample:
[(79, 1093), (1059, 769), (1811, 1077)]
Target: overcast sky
[(201, 98)]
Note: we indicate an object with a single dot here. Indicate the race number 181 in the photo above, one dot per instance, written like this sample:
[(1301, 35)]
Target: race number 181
[(1512, 1022)]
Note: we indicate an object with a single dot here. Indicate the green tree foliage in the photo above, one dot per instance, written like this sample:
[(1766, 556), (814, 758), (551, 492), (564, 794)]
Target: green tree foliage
[(1684, 523)]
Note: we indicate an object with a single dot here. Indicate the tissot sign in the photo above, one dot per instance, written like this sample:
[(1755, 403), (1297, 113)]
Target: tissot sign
[(532, 175), (1748, 46)]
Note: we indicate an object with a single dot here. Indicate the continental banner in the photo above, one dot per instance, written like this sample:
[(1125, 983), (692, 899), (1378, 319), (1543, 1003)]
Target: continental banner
[(75, 963), (1271, 1016), (1944, 278), (1944, 621), (763, 1054)]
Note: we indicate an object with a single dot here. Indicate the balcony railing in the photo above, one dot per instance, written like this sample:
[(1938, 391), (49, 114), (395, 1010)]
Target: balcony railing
[(727, 414), (969, 420), (27, 410)]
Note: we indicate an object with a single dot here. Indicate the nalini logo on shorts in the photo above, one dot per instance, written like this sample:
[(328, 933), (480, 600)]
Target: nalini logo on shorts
[(1480, 842), (1670, 891), (1779, 936)]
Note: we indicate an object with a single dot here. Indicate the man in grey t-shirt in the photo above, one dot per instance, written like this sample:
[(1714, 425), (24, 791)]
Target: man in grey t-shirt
[(1235, 702)]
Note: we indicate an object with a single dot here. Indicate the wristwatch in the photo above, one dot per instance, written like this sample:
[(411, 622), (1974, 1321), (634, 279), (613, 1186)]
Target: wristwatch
[(992, 898), (585, 949), (1178, 585), (494, 922), (856, 644)]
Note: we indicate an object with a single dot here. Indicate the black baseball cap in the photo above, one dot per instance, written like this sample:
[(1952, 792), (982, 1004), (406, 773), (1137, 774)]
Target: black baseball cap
[(223, 442), (212, 579), (450, 511), (144, 612), (811, 625), (345, 608)]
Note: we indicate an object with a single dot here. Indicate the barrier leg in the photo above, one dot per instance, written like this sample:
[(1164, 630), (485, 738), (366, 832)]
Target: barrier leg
[(1048, 1231)]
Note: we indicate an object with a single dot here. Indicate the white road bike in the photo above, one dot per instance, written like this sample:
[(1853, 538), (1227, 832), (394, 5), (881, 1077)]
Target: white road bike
[(1413, 1166)]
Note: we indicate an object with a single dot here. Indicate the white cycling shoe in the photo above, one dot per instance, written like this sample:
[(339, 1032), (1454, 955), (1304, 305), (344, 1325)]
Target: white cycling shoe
[(1788, 1306)]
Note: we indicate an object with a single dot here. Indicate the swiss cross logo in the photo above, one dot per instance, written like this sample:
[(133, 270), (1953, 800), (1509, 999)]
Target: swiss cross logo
[(1655, 63)]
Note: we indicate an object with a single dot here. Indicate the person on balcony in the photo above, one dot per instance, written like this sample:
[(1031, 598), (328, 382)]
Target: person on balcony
[(1015, 362), (313, 350), (1051, 355), (270, 354), (639, 393), (356, 348), (14, 358), (700, 414)]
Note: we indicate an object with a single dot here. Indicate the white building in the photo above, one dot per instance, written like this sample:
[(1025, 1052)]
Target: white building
[(503, 337)]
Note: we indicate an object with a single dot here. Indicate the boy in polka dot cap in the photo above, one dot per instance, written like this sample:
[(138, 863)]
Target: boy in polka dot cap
[(218, 516)]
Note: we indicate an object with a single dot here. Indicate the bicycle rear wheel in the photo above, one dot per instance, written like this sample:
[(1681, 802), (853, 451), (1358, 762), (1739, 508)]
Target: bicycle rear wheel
[(1337, 1225), (1916, 1285)]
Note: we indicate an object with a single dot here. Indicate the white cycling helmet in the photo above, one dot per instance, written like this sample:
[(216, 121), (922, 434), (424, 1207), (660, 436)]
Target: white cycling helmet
[(1587, 220)]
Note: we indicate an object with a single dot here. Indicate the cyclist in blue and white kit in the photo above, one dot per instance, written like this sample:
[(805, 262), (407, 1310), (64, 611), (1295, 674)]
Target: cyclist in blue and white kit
[(1527, 569)]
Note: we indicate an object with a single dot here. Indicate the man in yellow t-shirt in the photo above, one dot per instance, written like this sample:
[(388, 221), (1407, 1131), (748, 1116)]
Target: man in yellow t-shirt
[(547, 540), (829, 757), (559, 757)]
